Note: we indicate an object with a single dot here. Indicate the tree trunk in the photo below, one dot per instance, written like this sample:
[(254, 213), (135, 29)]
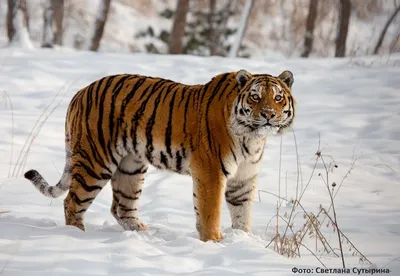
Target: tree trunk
[(100, 23), (242, 28), (309, 37), (344, 19), (58, 17), (178, 28), (24, 9), (17, 24), (47, 40), (382, 36), (11, 14), (212, 31)]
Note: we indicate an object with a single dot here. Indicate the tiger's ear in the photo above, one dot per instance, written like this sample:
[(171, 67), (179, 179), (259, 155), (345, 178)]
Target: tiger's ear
[(242, 77), (287, 78)]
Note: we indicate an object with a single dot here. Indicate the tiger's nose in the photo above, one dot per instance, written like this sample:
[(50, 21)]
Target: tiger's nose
[(268, 115)]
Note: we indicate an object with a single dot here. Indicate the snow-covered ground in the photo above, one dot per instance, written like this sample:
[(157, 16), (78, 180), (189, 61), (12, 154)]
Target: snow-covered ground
[(353, 104)]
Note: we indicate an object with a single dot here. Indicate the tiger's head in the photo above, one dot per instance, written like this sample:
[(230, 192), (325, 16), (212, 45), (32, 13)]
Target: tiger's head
[(264, 105)]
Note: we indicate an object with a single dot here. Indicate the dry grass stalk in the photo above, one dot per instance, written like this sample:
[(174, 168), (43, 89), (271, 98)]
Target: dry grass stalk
[(289, 244), (4, 95)]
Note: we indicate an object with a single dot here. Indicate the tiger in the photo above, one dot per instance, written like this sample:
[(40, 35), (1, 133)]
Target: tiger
[(216, 132)]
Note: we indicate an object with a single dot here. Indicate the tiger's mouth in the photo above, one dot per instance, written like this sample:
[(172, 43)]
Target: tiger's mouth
[(256, 128)]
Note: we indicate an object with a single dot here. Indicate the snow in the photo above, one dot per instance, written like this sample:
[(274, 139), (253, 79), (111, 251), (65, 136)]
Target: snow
[(353, 104)]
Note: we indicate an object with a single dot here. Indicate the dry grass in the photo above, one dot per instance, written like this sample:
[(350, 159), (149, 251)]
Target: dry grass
[(288, 239), (7, 100), (19, 166)]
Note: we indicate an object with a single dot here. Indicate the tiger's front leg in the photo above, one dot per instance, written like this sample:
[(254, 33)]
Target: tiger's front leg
[(208, 187), (239, 196)]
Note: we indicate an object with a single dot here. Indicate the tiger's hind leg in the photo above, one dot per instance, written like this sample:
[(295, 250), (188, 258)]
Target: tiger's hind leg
[(85, 185), (127, 184)]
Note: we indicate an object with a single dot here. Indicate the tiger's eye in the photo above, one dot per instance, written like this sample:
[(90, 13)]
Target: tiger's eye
[(255, 97), (278, 98)]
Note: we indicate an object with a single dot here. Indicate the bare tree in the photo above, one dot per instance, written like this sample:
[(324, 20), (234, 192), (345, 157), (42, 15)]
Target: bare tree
[(382, 36), (47, 39), (178, 27), (53, 15), (17, 23), (309, 36), (212, 31), (24, 9), (11, 14), (58, 17), (100, 23), (344, 19), (242, 28)]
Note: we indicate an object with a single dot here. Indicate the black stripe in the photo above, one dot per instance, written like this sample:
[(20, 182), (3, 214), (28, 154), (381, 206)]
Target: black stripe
[(127, 217), (206, 117), (234, 189), (183, 152), (94, 148), (139, 113), (76, 121), (81, 211), (117, 89), (85, 155), (291, 106), (141, 170), (149, 128), (125, 209), (238, 202), (234, 89), (100, 135), (178, 162), (105, 176), (79, 178), (190, 94), (236, 198), (233, 154), (245, 147), (116, 199), (183, 94), (125, 195), (88, 170), (226, 173), (171, 86), (259, 158), (97, 90), (164, 159), (168, 131), (95, 152), (194, 195), (79, 201), (89, 99), (124, 105)]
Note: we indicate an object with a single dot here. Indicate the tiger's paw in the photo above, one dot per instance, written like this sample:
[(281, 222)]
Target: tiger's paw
[(211, 236), (132, 224)]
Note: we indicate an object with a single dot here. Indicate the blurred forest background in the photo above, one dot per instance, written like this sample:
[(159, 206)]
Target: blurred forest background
[(244, 28)]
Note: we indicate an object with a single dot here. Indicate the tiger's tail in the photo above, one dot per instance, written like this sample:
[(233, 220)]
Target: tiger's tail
[(44, 188)]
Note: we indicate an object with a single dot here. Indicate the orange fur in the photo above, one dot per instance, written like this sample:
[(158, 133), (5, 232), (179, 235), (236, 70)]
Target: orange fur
[(118, 125)]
